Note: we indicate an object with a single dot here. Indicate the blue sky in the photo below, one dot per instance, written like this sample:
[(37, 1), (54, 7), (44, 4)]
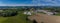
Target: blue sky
[(29, 2)]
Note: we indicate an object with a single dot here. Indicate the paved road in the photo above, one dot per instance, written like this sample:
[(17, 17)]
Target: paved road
[(45, 18)]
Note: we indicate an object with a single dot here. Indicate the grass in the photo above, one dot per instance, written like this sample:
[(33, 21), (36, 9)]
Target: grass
[(42, 12), (2, 19), (20, 18), (58, 14)]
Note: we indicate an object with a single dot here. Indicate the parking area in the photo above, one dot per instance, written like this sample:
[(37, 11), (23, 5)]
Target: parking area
[(44, 18)]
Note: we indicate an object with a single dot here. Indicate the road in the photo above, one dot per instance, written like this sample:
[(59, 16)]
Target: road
[(45, 18)]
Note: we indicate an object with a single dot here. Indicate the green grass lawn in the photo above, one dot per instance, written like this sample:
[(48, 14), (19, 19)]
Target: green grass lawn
[(58, 14), (2, 19), (20, 18)]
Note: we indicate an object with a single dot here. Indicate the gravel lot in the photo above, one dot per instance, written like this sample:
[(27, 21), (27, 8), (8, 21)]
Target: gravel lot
[(45, 18)]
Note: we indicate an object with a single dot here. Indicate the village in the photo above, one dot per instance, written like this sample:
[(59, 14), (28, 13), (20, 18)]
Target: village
[(30, 15), (39, 11), (42, 16)]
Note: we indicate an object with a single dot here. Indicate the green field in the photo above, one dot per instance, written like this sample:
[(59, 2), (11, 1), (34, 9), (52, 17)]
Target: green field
[(20, 18)]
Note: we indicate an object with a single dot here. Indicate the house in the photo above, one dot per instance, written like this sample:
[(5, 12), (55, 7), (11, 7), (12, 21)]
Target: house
[(47, 12), (1, 10), (27, 13)]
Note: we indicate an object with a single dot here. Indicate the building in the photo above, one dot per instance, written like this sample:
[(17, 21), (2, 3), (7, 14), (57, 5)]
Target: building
[(47, 12), (27, 13)]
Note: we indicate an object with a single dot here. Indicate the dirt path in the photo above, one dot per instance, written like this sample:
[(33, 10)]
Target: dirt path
[(45, 18)]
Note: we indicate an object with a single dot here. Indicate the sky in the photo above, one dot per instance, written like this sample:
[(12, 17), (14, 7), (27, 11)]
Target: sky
[(29, 2)]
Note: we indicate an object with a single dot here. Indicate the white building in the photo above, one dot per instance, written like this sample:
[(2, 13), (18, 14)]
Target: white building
[(1, 10), (47, 12), (27, 13)]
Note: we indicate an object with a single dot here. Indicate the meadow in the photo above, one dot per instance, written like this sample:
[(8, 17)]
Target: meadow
[(19, 18)]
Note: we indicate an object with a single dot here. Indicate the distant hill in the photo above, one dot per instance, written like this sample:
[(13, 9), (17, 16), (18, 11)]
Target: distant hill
[(29, 6)]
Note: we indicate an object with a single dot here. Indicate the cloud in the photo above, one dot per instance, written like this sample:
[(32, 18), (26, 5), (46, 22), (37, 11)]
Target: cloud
[(35, 3), (49, 2), (22, 5)]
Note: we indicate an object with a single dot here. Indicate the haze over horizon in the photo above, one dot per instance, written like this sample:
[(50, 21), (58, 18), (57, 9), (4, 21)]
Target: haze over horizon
[(29, 2)]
